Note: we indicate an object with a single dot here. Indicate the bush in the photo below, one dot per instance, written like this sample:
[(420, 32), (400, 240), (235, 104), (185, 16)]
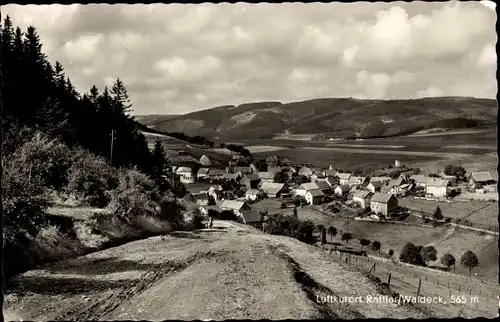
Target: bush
[(293, 227), (24, 199), (195, 221), (172, 212), (89, 179), (48, 158), (411, 254), (135, 195)]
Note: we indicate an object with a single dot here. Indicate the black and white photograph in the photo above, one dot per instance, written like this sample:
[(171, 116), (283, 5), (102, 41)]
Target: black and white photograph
[(276, 161)]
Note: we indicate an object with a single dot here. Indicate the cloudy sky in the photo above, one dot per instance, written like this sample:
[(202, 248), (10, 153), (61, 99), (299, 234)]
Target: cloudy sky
[(177, 58)]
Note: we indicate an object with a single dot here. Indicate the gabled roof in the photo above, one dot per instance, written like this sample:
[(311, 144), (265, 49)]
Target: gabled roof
[(375, 184), (419, 178), (317, 170), (251, 216), (381, 197), (329, 173), (396, 182), (437, 182), (272, 187), (217, 172), (362, 194), (216, 188), (482, 176), (242, 169), (343, 187), (272, 158), (204, 158), (381, 179), (343, 176), (315, 192), (266, 175), (323, 185), (184, 170), (285, 161), (231, 176), (308, 186), (355, 179), (203, 170), (305, 170), (232, 204)]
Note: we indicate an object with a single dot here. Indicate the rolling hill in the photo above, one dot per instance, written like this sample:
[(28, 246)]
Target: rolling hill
[(339, 117)]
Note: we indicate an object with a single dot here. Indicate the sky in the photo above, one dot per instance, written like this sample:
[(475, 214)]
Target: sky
[(179, 58)]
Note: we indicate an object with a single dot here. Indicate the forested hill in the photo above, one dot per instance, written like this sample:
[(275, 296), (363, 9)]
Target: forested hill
[(37, 95)]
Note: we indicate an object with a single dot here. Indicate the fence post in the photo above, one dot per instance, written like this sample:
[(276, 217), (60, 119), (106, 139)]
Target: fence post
[(418, 287), (389, 280), (448, 284), (459, 288), (438, 282), (449, 294)]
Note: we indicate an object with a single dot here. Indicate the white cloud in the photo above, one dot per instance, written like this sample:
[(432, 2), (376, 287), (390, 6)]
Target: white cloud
[(200, 56)]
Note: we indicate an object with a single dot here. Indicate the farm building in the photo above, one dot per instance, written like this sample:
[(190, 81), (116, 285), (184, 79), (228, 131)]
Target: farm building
[(384, 204), (438, 187), (202, 173), (356, 181), (251, 181), (204, 160), (479, 179), (419, 180), (216, 174), (266, 176), (273, 190), (362, 198), (305, 171), (303, 188), (383, 180), (235, 206), (343, 177), (251, 217), (374, 186), (324, 186), (341, 190), (252, 194), (186, 174), (314, 197)]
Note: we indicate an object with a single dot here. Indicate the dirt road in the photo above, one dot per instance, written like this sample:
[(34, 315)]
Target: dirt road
[(229, 272)]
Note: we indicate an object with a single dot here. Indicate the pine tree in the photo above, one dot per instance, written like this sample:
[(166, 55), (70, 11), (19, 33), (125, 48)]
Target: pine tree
[(160, 172)]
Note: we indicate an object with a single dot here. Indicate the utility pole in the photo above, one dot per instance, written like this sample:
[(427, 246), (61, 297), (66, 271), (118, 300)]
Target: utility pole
[(112, 141)]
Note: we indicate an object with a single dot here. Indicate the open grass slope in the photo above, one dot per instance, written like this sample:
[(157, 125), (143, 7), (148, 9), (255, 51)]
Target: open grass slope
[(229, 272), (338, 116)]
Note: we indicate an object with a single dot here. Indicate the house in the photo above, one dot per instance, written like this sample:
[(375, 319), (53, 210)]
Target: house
[(201, 199), (437, 187), (314, 196), (419, 180), (319, 173), (374, 186), (251, 181), (341, 190), (383, 180), (266, 176), (235, 206), (216, 174), (215, 192), (273, 190), (251, 217), (202, 173), (363, 198), (329, 172), (324, 186), (186, 174), (241, 170), (444, 176), (204, 160), (479, 179), (303, 188), (272, 161), (332, 181), (305, 171), (253, 168), (252, 194), (356, 181), (231, 176), (384, 204), (343, 177), (286, 162), (393, 186)]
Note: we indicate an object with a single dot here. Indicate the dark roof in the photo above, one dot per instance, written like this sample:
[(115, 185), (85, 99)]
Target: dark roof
[(381, 197), (251, 216), (252, 177), (316, 192)]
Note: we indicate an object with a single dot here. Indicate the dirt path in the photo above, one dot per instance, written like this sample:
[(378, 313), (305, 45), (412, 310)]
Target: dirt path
[(446, 236), (232, 271)]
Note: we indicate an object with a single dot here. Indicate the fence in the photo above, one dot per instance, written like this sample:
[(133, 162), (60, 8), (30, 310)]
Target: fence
[(481, 300)]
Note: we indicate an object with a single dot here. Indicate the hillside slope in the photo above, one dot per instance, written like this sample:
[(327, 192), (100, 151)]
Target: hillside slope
[(340, 117), (229, 272)]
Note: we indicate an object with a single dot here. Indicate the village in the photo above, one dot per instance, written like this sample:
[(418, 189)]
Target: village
[(252, 194)]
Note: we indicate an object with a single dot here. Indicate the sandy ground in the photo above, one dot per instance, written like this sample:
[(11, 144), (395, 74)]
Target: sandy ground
[(229, 272)]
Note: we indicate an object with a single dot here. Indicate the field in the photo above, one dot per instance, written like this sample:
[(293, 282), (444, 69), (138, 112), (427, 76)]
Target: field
[(395, 236), (481, 214)]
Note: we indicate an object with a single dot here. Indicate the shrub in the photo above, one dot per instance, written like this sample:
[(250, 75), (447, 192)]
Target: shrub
[(171, 211), (364, 242), (90, 177), (292, 227), (48, 158), (376, 245), (135, 195)]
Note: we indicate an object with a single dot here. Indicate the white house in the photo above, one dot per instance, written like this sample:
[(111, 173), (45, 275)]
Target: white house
[(374, 186), (356, 181), (306, 171), (252, 194), (419, 179), (438, 187), (314, 197), (202, 173), (273, 189), (204, 160), (343, 178), (235, 206), (303, 188), (362, 198), (266, 176), (186, 174), (341, 190)]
